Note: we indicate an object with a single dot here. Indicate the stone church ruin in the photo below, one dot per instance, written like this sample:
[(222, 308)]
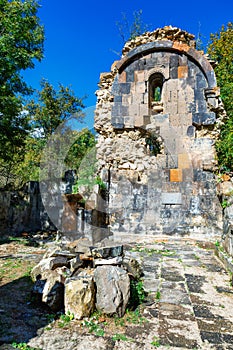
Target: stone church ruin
[(157, 116)]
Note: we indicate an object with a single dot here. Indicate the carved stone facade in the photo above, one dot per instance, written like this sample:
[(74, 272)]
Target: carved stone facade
[(157, 119)]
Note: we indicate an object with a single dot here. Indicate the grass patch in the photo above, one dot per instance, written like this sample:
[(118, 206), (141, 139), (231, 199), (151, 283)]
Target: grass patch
[(155, 342), (22, 346)]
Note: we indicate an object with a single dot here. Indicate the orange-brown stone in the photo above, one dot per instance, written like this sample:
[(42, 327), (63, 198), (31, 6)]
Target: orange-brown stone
[(175, 175), (182, 72)]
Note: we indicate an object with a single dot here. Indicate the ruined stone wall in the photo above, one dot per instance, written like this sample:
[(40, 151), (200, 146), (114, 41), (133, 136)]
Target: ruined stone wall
[(157, 156), (23, 211)]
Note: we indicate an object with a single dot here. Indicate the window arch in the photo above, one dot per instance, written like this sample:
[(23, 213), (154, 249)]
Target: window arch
[(155, 92)]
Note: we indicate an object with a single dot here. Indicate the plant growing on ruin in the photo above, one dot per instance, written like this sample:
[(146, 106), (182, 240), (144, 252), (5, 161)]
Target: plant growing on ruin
[(93, 326), (137, 294), (65, 319), (155, 342), (134, 317)]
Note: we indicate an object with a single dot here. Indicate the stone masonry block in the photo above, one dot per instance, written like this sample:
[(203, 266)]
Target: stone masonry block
[(184, 161), (175, 120), (122, 77), (172, 161), (129, 122), (174, 61), (204, 118), (187, 175), (139, 76), (121, 88), (183, 60), (118, 99), (201, 82), (129, 75), (140, 88), (171, 198), (176, 175), (138, 121), (182, 72)]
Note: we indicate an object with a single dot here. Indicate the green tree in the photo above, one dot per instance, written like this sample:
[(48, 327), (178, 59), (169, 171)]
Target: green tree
[(221, 50), (84, 142), (49, 109), (52, 107), (21, 43)]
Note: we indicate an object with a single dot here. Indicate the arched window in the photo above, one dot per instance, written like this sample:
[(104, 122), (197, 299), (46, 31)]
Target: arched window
[(155, 93)]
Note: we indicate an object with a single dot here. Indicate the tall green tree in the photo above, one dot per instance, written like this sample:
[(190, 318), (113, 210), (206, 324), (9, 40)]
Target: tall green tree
[(21, 44), (51, 107), (221, 50)]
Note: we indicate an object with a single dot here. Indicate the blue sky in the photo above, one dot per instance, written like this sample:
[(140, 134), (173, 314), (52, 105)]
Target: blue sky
[(82, 37)]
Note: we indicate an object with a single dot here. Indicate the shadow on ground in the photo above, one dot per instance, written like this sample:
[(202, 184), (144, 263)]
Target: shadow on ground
[(20, 316)]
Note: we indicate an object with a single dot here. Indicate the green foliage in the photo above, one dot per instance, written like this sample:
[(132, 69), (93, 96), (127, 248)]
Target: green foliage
[(22, 346), (52, 107), (93, 326), (137, 294), (84, 142), (153, 144), (157, 94), (158, 295), (225, 204), (21, 43), (65, 319), (220, 49), (134, 317), (155, 342)]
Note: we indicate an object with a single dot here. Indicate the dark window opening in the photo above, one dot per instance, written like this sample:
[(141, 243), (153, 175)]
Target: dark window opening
[(155, 93)]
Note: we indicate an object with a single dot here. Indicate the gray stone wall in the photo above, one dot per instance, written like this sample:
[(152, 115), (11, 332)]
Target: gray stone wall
[(23, 211), (158, 158)]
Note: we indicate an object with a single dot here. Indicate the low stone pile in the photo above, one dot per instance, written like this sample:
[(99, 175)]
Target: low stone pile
[(80, 278)]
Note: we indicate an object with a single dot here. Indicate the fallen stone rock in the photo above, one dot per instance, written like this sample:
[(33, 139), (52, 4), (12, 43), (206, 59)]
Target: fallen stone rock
[(83, 245), (62, 253), (113, 290), (113, 261), (75, 263), (53, 291), (80, 295), (107, 252), (41, 270), (132, 265)]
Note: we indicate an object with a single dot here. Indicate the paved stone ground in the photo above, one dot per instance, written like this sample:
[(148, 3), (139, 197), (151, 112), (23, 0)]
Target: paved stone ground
[(194, 297), (189, 305)]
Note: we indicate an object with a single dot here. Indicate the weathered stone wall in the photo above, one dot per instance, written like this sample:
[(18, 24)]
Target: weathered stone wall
[(157, 157), (44, 207), (23, 211)]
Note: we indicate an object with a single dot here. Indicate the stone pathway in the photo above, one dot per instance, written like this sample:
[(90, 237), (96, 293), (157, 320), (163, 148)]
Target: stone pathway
[(194, 306), (189, 305)]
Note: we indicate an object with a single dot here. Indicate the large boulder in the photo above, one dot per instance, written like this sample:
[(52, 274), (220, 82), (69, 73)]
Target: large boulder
[(113, 289), (80, 294)]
